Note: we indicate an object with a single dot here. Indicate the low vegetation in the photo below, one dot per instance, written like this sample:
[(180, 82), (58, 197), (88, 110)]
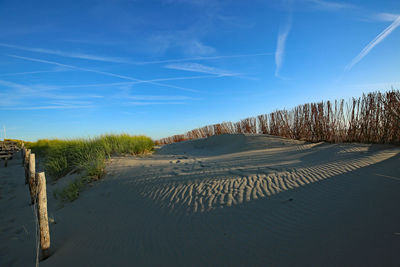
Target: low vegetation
[(372, 118), (86, 156)]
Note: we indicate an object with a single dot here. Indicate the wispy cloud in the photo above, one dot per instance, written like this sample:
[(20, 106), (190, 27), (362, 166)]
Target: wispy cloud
[(187, 41), (66, 54), (196, 67), (331, 5), (373, 43), (14, 96), (31, 72), (132, 83), (196, 46), (20, 87), (201, 58), (100, 72), (386, 16), (138, 103), (47, 107), (160, 97), (280, 45)]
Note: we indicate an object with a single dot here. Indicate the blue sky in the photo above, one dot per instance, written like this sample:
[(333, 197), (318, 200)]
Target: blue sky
[(83, 68)]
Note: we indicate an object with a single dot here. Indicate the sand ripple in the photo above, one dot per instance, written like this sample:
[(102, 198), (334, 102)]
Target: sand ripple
[(208, 182)]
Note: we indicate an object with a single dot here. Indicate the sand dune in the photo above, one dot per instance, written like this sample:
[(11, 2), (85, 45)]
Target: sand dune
[(265, 165), (233, 200)]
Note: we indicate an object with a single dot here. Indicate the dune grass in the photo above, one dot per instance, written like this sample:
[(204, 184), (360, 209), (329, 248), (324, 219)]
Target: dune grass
[(86, 156)]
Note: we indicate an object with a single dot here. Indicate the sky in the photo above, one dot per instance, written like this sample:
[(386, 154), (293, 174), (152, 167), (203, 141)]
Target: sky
[(83, 68)]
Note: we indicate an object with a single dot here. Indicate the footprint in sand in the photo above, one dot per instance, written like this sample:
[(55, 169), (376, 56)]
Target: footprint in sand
[(12, 262), (18, 231), (3, 252), (287, 200), (5, 229), (10, 191), (201, 164)]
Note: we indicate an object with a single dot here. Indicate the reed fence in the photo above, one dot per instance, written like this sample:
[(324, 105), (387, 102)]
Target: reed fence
[(371, 118)]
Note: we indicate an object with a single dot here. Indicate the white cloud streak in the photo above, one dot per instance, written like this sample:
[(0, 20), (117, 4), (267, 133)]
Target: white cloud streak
[(132, 83), (30, 72), (121, 60), (160, 98), (137, 103), (101, 72), (66, 54), (331, 5), (195, 67), (373, 43), (48, 107), (21, 88), (22, 95), (280, 45), (386, 17), (201, 58)]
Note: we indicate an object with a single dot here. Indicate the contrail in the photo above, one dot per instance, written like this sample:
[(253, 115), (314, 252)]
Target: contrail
[(101, 72), (143, 81), (199, 58), (280, 46), (373, 43), (66, 54)]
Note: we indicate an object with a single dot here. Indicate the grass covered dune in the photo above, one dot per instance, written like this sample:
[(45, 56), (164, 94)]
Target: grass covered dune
[(86, 156)]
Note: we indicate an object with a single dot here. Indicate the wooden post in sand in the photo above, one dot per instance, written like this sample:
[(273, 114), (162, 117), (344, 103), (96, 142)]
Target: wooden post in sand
[(23, 152), (26, 165), (42, 214), (32, 178)]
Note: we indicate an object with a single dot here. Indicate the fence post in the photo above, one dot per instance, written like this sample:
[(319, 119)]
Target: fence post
[(23, 152), (43, 219), (32, 178), (26, 165)]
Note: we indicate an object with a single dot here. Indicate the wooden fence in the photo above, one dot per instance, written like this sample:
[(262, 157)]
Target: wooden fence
[(38, 198), (7, 150), (372, 118)]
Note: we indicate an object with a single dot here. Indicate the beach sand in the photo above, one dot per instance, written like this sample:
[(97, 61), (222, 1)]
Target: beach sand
[(228, 200)]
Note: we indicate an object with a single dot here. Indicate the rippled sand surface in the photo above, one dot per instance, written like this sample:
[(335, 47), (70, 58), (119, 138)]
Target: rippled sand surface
[(238, 200)]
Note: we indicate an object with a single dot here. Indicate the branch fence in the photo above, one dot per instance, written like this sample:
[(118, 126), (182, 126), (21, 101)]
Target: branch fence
[(372, 118)]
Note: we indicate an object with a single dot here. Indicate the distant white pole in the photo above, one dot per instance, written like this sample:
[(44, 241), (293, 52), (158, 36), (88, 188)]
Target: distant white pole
[(4, 132)]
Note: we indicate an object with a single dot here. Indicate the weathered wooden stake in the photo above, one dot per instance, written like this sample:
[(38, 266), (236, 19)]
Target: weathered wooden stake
[(23, 152), (43, 219), (32, 178), (26, 165)]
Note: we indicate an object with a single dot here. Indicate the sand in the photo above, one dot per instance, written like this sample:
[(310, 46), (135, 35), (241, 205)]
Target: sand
[(229, 200)]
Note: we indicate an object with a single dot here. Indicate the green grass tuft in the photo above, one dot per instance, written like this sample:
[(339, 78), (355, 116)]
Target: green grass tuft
[(86, 156), (71, 191)]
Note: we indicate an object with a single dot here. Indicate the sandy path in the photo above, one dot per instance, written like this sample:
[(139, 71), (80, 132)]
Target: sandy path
[(235, 201), (17, 226)]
